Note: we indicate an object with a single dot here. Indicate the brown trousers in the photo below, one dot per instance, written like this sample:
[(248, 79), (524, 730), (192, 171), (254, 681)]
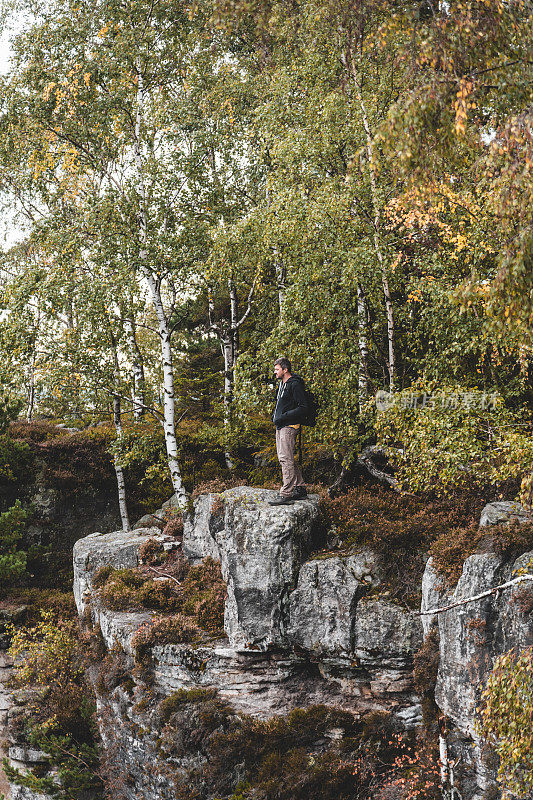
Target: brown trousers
[(292, 475)]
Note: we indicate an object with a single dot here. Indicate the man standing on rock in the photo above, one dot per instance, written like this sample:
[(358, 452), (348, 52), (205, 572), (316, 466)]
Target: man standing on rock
[(290, 412)]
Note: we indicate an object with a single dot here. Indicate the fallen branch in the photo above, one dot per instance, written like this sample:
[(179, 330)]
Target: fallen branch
[(165, 575), (480, 596)]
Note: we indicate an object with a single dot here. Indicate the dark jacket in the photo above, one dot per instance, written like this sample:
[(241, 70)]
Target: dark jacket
[(291, 404)]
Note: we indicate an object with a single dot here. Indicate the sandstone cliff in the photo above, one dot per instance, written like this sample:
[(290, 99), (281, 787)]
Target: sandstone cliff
[(301, 627)]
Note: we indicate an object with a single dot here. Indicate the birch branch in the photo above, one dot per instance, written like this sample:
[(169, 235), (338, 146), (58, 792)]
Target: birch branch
[(165, 575), (475, 597), (249, 304)]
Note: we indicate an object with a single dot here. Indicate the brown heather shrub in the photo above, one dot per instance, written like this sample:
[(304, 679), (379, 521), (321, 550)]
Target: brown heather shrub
[(173, 702), (120, 588), (408, 527), (35, 599), (426, 664), (101, 575), (174, 527), (81, 462), (523, 599), (204, 594), (290, 757), (508, 539), (216, 486), (174, 629), (151, 552), (113, 671), (195, 599), (396, 525), (477, 629), (37, 431), (452, 548), (217, 504), (197, 592)]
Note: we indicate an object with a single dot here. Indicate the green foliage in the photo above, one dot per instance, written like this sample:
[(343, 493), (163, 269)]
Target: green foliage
[(505, 719), (12, 559), (15, 462), (60, 721), (288, 756), (455, 440), (335, 173)]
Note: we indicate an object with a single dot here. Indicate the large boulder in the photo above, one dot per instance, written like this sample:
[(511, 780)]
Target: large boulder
[(260, 549), (504, 511), (322, 607)]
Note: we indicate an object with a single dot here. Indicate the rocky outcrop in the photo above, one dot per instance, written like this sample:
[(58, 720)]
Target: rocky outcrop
[(297, 630), (119, 549), (504, 511), (471, 637), (260, 549), (300, 629)]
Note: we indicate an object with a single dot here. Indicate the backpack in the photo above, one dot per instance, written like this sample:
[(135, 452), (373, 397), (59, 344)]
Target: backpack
[(313, 405)]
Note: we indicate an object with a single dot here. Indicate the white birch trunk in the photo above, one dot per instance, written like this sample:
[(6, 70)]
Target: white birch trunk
[(121, 486), (443, 758), (363, 348), (137, 369), (31, 386), (227, 352), (169, 426)]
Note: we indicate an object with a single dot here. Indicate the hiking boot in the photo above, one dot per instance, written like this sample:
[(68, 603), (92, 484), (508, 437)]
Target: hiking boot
[(300, 492), (283, 501)]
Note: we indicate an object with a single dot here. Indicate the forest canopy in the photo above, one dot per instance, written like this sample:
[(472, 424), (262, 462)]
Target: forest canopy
[(208, 185)]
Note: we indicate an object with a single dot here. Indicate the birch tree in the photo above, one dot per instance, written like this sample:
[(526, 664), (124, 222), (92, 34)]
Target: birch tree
[(110, 117)]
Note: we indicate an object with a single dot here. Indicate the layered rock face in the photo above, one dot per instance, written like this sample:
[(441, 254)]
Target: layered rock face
[(300, 630), (314, 630), (302, 627), (472, 636)]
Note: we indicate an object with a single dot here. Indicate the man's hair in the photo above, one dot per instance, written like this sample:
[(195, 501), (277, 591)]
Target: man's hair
[(284, 363)]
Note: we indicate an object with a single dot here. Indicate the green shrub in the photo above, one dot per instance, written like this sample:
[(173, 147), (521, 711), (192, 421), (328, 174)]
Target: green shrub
[(460, 438), (12, 559), (287, 757), (505, 719), (60, 719)]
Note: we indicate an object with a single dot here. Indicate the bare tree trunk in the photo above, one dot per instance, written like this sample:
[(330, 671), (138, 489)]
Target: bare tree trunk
[(391, 365), (121, 486), (229, 365), (363, 348), (153, 284), (31, 385), (138, 369), (281, 277), (228, 336)]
